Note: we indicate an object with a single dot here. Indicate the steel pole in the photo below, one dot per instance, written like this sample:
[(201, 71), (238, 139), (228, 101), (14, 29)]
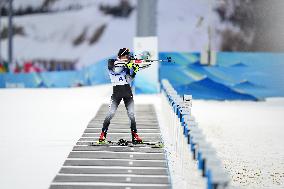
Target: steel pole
[(10, 33), (146, 18), (0, 31)]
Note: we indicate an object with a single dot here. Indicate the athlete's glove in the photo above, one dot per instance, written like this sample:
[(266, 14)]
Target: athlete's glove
[(135, 68), (129, 64)]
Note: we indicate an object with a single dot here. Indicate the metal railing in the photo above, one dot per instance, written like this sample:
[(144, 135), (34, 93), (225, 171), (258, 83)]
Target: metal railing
[(189, 141)]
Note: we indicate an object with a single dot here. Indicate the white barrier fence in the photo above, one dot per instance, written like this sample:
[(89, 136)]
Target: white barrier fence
[(190, 142)]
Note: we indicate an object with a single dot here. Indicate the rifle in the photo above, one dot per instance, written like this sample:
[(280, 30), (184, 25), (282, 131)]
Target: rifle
[(139, 60), (144, 63)]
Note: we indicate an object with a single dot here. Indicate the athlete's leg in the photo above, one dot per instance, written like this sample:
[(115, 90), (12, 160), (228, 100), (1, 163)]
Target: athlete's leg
[(112, 109), (129, 104)]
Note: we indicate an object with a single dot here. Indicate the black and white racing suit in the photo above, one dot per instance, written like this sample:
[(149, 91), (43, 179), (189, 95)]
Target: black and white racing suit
[(121, 78)]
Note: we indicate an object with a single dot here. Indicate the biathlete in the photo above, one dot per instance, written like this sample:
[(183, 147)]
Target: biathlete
[(122, 71)]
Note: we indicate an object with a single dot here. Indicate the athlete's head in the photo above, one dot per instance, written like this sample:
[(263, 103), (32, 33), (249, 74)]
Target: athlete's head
[(123, 53)]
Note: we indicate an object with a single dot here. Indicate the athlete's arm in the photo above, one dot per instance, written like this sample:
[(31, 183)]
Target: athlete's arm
[(115, 66)]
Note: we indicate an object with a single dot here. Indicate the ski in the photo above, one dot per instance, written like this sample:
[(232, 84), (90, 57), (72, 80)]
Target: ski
[(122, 142)]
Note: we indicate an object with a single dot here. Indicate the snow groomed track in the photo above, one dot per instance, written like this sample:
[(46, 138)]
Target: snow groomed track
[(118, 166)]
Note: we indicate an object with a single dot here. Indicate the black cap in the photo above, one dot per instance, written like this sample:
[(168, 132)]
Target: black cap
[(123, 52)]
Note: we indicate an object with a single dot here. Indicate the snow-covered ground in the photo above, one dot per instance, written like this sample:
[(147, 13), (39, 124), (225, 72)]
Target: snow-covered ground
[(39, 127), (248, 137)]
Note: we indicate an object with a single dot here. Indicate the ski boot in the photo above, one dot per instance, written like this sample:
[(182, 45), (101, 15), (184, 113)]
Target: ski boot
[(102, 139), (135, 138)]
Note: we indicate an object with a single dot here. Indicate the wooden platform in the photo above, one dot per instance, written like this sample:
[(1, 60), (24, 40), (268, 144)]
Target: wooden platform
[(116, 167)]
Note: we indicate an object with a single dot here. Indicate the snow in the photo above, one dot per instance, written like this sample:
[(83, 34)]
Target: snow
[(26, 3), (248, 137), (61, 4), (50, 36), (39, 127), (38, 130), (183, 26), (119, 33)]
